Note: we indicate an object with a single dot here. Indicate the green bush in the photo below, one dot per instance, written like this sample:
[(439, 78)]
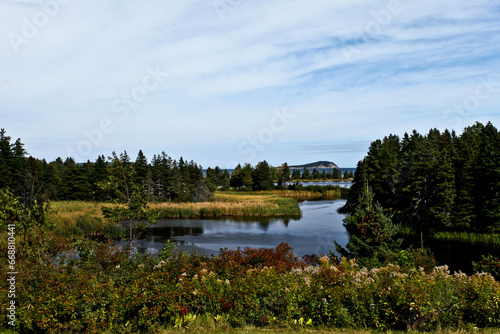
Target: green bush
[(488, 264), (104, 287)]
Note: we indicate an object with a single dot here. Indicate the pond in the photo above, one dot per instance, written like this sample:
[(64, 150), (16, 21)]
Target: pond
[(314, 232)]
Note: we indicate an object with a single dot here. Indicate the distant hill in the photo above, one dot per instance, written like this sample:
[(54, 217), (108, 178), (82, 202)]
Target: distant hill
[(317, 165)]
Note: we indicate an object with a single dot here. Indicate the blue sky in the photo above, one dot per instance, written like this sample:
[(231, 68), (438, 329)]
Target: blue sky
[(232, 81)]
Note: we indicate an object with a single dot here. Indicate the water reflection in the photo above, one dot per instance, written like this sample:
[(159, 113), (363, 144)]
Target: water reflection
[(314, 232)]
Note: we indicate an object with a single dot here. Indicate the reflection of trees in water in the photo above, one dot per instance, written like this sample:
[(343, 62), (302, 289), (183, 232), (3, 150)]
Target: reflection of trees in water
[(175, 231)]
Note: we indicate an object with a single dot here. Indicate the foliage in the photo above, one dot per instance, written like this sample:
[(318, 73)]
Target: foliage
[(28, 220), (372, 234), (489, 264), (225, 204), (106, 288), (437, 182), (33, 179), (135, 211)]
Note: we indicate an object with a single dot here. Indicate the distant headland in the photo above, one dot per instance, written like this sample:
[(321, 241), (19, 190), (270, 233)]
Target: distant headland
[(317, 165)]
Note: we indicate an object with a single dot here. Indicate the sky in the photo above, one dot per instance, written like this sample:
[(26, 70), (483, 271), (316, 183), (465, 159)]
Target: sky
[(223, 82)]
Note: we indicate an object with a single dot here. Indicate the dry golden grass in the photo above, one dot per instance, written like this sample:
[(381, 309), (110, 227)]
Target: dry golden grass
[(231, 204), (68, 214)]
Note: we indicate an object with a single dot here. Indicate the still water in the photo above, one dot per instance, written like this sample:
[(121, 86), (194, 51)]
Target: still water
[(314, 232)]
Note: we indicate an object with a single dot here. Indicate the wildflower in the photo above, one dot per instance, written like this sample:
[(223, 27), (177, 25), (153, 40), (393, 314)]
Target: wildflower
[(441, 271), (324, 260), (307, 281), (117, 267), (369, 280), (227, 281), (159, 265)]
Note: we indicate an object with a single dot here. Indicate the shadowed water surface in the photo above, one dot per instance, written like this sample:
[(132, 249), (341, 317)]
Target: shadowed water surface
[(314, 232)]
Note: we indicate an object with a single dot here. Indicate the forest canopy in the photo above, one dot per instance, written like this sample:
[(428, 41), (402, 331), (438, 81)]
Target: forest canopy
[(435, 182)]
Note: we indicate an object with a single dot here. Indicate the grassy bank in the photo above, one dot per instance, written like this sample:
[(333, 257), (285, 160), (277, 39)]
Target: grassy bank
[(231, 204), (77, 218), (204, 326), (301, 195), (479, 238), (468, 237)]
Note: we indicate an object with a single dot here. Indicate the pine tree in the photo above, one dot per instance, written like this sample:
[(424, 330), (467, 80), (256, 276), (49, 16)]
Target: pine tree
[(134, 210), (372, 233), (141, 168), (306, 174), (247, 176), (296, 175), (487, 180), (262, 176), (237, 177)]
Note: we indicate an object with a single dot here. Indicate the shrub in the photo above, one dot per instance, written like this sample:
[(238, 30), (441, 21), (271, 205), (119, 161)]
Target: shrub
[(489, 264)]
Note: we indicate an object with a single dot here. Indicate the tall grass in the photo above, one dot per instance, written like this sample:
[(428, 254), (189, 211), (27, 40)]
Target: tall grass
[(226, 204), (474, 238), (469, 237), (306, 194), (79, 218)]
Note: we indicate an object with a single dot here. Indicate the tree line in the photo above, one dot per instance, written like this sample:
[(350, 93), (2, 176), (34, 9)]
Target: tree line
[(439, 181), (30, 178), (265, 177), (163, 178)]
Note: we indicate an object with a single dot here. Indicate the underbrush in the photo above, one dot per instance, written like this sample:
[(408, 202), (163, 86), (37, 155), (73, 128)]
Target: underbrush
[(106, 288)]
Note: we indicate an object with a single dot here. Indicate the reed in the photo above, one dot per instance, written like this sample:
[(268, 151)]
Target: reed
[(470, 237), (227, 204), (474, 238), (79, 218), (305, 194)]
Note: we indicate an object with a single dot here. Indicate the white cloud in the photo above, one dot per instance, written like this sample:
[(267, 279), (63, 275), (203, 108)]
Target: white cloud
[(231, 65)]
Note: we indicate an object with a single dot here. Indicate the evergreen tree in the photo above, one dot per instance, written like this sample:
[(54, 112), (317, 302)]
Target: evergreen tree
[(98, 174), (306, 174), (6, 160), (226, 179), (487, 180), (372, 233), (262, 177), (315, 174), (336, 174), (211, 179), (141, 168), (464, 165), (135, 211), (237, 177), (284, 176), (296, 175), (247, 176)]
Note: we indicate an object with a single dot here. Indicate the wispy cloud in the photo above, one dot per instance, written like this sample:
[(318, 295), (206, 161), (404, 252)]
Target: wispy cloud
[(352, 72)]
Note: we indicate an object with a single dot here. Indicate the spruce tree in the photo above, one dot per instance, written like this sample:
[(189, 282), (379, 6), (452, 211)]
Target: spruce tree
[(372, 233)]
